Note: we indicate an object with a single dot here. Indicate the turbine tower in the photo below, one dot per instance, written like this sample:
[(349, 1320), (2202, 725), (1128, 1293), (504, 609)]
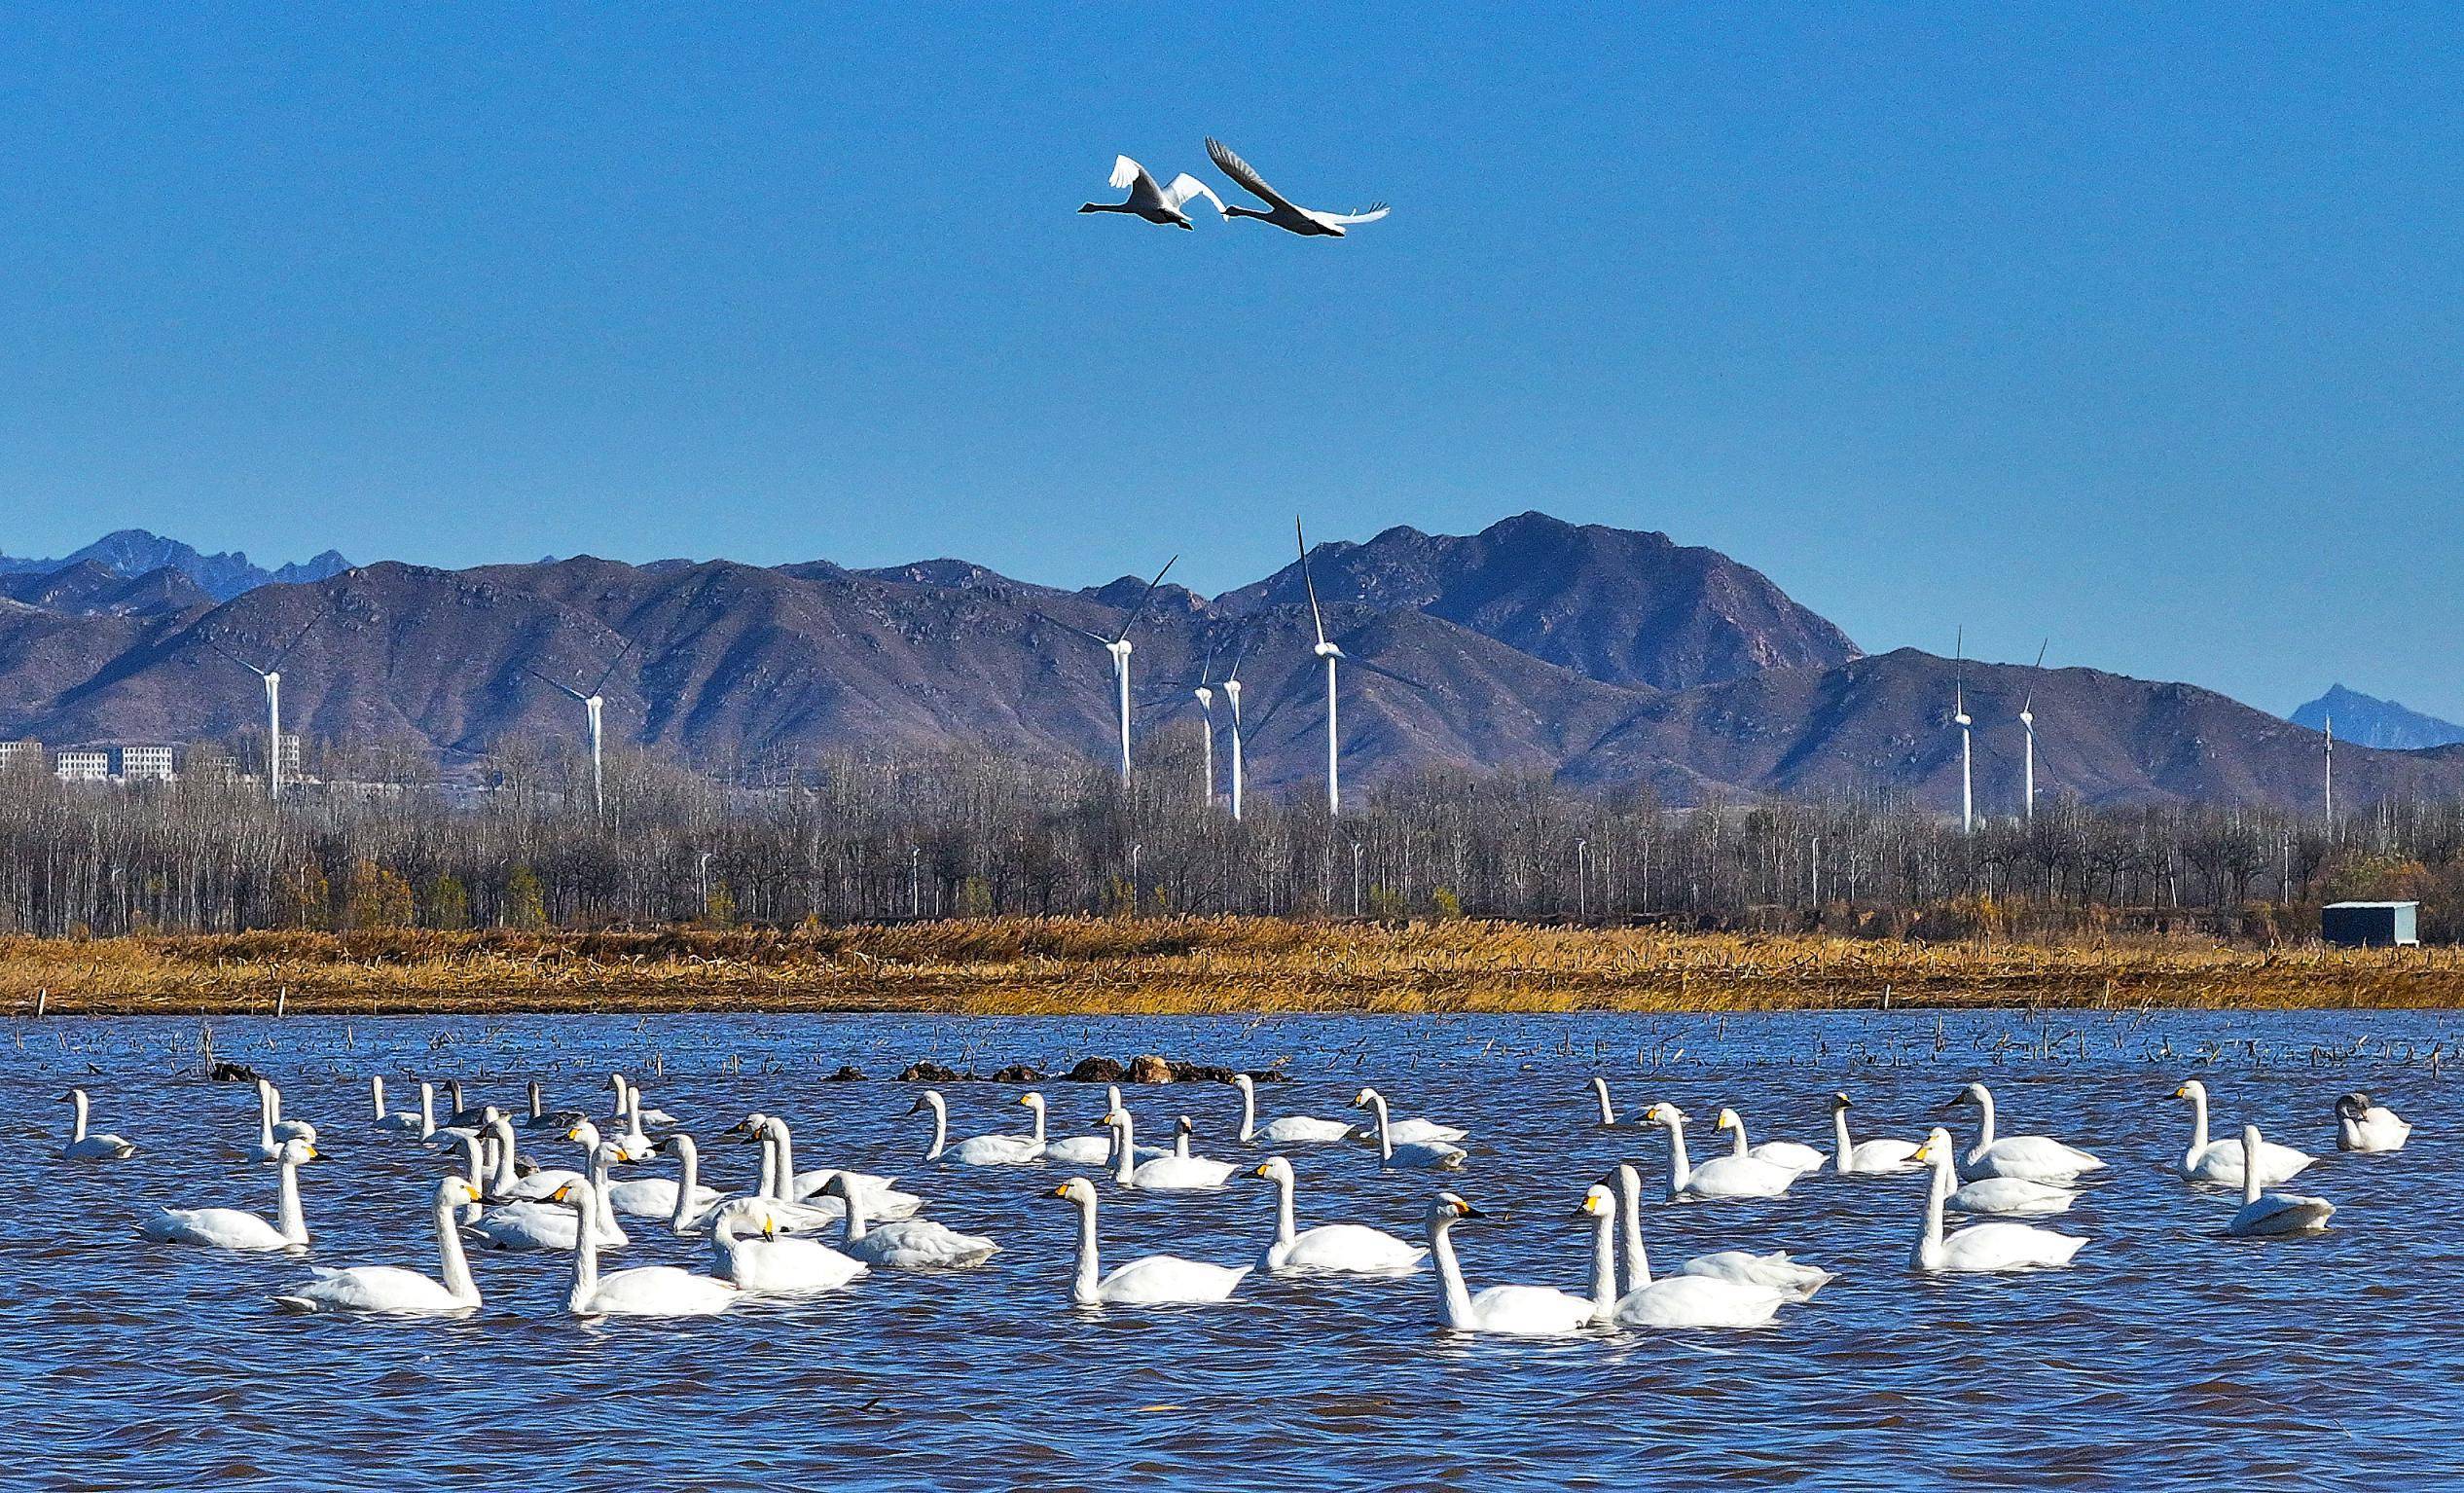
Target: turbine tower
[(1960, 718), (2027, 720), (1232, 697), (1205, 693), (594, 717), (272, 674), (2331, 769), (1326, 649), (1118, 645)]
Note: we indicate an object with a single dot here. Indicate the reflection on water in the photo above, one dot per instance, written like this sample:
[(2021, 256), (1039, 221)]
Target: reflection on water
[(2170, 1357)]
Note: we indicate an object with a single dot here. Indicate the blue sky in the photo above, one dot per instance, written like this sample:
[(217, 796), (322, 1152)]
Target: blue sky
[(2139, 329)]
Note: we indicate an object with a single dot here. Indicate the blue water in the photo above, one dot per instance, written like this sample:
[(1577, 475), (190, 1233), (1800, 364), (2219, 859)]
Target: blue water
[(2169, 1356)]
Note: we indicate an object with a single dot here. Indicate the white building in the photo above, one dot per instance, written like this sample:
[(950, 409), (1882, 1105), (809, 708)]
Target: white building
[(150, 763), (24, 753), (83, 764)]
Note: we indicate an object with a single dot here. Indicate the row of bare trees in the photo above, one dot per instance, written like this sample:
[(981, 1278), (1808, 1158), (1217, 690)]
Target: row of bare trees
[(384, 843)]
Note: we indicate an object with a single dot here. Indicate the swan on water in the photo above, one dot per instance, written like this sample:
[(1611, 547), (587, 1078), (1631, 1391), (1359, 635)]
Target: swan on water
[(510, 1186), (97, 1147), (1874, 1157), (2011, 1196), (1171, 1172), (1155, 1279), (629, 1101), (752, 1254), (1403, 1132), (1397, 1153), (687, 1212), (2273, 1214), (1980, 1246), (1720, 1177), (545, 1224), (2222, 1161), (666, 1198), (1795, 1156), (1281, 211), (783, 1182), (421, 1122), (272, 1130), (1349, 1249), (1072, 1151), (2364, 1126), (905, 1244), (649, 1290), (1685, 1300), (1608, 1111), (234, 1229), (974, 1150), (1773, 1271), (393, 1289), (1520, 1311), (1160, 205), (1288, 1129), (2031, 1157)]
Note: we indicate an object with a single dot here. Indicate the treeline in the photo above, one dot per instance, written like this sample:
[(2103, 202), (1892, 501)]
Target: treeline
[(969, 834)]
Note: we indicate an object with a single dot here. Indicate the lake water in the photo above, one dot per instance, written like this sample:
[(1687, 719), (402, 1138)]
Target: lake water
[(2169, 1356)]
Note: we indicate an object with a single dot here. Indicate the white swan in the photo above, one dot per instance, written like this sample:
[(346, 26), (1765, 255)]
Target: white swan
[(783, 1182), (2032, 1157), (2011, 1196), (272, 1130), (232, 1228), (1288, 1129), (545, 1224), (687, 1212), (1155, 1279), (629, 1101), (1160, 205), (393, 1289), (421, 1122), (1077, 1149), (2273, 1214), (673, 1198), (1346, 1249), (651, 1291), (83, 1146), (1774, 1271), (509, 1185), (1404, 1132), (2222, 1161), (1795, 1156), (2364, 1126), (1672, 1301), (1866, 1158), (764, 1263), (906, 1244), (1980, 1246), (1396, 1152), (1281, 211), (1721, 1175), (1165, 1174), (1519, 1311), (974, 1150), (1599, 1096)]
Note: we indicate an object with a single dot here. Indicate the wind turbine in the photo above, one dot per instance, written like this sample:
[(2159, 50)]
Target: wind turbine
[(1960, 718), (2330, 769), (1232, 697), (594, 714), (272, 674), (2027, 718), (1118, 645), (1326, 649), (1205, 695)]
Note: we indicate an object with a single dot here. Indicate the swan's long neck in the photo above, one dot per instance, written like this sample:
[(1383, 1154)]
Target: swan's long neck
[(292, 1221), (538, 1106), (77, 1100), (1286, 1226), (264, 1116), (585, 1248), (477, 1169), (1741, 1148), (633, 1110), (784, 1183), (1248, 1112), (2249, 1164), (770, 1186), (603, 1214), (1124, 1149), (2198, 1120), (452, 1266), (688, 1182), (1604, 1266), (1453, 1301), (940, 1133), (506, 1177), (1844, 1149), (1181, 1144), (428, 1110), (377, 1094), (1040, 1125), (1638, 1261), (1934, 1196), (1984, 1120), (1679, 1170), (616, 1109), (853, 1196), (1600, 1091), (1385, 1131), (1083, 1290)]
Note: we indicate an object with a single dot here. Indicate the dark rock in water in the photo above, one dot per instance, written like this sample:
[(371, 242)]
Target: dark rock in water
[(1212, 1072), (1153, 1069), (234, 1072), (1097, 1071), (1147, 1067), (1019, 1072), (848, 1073), (929, 1072)]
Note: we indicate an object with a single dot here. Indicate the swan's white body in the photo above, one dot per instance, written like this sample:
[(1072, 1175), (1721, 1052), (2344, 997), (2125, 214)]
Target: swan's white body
[(1980, 1248), (2012, 1195), (1344, 1249), (1787, 1154), (2030, 1157), (1398, 1154), (975, 1151), (2273, 1214), (1684, 1300), (651, 1291), (421, 1122), (1879, 1157), (1774, 1271), (2364, 1126), (907, 1243), (750, 1254), (1157, 1280), (802, 1209), (1514, 1311), (234, 1229), (1162, 205), (1169, 1172), (1721, 1177), (393, 1289), (2223, 1161), (1284, 1130), (547, 1223), (83, 1146)]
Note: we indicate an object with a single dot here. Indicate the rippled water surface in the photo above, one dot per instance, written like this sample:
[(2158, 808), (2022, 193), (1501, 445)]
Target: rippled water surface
[(2168, 1356)]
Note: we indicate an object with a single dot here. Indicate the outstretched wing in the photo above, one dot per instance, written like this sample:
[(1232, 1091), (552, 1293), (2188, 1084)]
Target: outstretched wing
[(1376, 210), (1185, 186), (1242, 173), (1142, 191), (1125, 170)]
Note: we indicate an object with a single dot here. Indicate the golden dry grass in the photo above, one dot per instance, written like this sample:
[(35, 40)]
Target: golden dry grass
[(1184, 966)]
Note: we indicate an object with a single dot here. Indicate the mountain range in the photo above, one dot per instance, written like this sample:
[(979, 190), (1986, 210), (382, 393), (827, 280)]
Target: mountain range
[(2366, 720), (1600, 656), (131, 554)]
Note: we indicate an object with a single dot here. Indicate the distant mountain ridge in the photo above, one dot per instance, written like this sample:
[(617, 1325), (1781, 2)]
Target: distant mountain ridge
[(2366, 720), (130, 553)]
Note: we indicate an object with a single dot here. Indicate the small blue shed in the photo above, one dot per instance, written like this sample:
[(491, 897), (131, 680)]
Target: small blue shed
[(2369, 925)]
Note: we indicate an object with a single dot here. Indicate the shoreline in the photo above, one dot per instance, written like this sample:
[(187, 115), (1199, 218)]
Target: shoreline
[(1185, 967)]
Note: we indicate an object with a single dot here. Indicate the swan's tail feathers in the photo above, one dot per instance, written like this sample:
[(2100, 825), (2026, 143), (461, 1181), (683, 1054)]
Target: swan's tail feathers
[(297, 1305), (1124, 171)]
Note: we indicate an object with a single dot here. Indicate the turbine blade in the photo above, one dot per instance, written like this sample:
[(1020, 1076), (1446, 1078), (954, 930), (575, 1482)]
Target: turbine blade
[(1316, 618), (557, 684), (216, 645), (1070, 626), (1144, 598), (2029, 702), (320, 616), (1396, 675), (609, 671)]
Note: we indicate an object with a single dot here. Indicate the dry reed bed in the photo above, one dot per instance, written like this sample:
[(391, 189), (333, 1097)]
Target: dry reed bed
[(1184, 966)]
